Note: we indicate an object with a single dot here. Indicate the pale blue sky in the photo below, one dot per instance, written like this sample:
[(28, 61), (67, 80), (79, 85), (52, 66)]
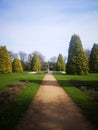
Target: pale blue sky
[(47, 25)]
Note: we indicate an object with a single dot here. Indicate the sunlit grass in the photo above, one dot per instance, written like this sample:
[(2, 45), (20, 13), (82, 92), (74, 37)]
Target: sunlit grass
[(86, 104), (12, 112), (6, 79)]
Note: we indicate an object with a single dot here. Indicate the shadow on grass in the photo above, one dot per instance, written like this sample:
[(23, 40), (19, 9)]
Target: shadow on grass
[(13, 111), (31, 81), (88, 106), (88, 84), (52, 116), (10, 116), (46, 82)]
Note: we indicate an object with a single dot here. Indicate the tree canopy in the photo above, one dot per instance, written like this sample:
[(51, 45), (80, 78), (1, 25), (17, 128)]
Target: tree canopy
[(60, 63), (17, 66), (5, 62), (35, 63), (77, 60), (93, 62)]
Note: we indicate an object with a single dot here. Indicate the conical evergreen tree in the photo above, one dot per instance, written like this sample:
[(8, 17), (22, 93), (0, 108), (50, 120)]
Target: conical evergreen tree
[(5, 61), (17, 66), (93, 62), (77, 60), (35, 63), (60, 65)]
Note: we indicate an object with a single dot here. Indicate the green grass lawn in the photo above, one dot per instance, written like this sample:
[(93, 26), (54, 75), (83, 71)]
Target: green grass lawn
[(12, 112), (88, 107), (6, 79)]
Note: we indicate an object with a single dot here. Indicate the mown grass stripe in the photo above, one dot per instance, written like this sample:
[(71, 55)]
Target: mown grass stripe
[(88, 107), (10, 116)]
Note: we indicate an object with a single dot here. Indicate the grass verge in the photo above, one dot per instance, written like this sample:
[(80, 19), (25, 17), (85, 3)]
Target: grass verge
[(11, 78), (88, 107), (11, 114)]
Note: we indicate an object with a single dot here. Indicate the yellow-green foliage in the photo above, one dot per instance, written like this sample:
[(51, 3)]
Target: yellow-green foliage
[(77, 60), (35, 65), (60, 63), (5, 62), (17, 66)]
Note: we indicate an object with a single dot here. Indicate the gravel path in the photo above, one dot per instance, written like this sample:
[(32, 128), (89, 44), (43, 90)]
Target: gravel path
[(53, 109)]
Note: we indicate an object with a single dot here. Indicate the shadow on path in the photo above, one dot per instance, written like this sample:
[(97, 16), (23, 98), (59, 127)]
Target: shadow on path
[(52, 109)]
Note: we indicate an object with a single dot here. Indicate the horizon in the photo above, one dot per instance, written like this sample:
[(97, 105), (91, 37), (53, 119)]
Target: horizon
[(47, 26)]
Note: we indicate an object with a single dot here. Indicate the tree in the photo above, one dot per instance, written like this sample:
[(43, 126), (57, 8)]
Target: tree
[(53, 59), (77, 61), (93, 62), (17, 66), (52, 63), (12, 55), (87, 52), (41, 57), (35, 63), (51, 66), (60, 63), (5, 61), (23, 58)]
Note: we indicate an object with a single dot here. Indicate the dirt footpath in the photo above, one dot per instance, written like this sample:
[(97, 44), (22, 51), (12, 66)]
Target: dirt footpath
[(53, 109)]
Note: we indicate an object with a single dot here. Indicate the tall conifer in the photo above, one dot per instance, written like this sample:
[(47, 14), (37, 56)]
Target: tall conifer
[(93, 62), (77, 60), (17, 66), (60, 63), (5, 61), (35, 63)]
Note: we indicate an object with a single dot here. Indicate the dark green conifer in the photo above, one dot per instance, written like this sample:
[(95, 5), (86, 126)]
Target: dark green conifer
[(93, 62), (77, 60)]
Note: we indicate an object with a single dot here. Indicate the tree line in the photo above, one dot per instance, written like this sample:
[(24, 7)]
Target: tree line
[(78, 62), (9, 62)]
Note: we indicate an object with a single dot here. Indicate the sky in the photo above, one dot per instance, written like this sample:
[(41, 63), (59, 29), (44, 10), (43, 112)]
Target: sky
[(47, 25)]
